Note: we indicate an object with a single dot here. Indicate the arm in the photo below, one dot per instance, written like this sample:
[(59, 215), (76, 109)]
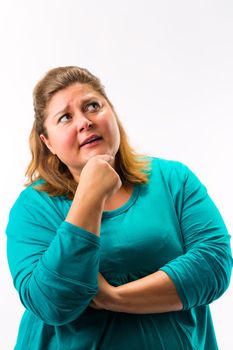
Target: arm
[(202, 274), (43, 255), (54, 263), (197, 277), (154, 293), (97, 182)]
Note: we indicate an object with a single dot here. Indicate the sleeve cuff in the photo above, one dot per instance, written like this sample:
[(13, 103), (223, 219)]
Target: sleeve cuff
[(81, 232)]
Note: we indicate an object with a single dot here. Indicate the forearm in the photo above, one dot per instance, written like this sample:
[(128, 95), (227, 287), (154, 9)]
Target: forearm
[(86, 212), (98, 181), (56, 284), (155, 293)]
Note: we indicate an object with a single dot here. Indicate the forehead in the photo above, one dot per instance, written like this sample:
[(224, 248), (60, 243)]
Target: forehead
[(75, 93)]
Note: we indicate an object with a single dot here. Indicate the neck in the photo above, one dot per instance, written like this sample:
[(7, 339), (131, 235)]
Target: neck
[(119, 198)]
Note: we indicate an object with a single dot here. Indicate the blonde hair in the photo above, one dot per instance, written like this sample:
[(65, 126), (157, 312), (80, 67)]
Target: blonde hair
[(44, 165)]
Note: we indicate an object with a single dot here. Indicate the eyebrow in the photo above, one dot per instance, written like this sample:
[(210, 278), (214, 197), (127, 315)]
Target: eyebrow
[(84, 101)]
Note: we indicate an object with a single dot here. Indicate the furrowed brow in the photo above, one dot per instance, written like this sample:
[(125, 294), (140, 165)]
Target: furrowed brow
[(83, 102)]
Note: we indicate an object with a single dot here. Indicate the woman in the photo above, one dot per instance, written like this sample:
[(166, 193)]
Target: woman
[(109, 249)]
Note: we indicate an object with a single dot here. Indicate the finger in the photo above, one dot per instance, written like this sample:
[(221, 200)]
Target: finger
[(106, 157), (94, 306)]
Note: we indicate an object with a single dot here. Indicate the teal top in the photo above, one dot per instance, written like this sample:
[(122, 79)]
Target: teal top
[(170, 224)]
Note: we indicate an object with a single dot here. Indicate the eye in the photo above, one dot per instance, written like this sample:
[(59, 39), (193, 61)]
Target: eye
[(92, 106), (64, 118)]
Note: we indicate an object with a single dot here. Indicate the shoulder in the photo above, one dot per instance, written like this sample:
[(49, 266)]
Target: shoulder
[(30, 196), (32, 204), (35, 212), (174, 175), (170, 170)]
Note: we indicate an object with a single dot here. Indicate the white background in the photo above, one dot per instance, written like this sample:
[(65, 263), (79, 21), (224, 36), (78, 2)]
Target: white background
[(167, 67)]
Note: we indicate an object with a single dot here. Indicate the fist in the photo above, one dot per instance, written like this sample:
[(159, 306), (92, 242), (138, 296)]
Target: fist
[(99, 177)]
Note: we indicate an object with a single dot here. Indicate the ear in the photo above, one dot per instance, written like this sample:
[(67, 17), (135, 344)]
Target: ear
[(47, 143)]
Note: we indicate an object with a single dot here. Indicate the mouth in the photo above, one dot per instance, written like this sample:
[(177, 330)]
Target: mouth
[(93, 141)]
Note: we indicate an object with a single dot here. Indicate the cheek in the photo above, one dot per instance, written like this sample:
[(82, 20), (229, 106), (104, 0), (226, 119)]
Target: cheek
[(63, 141), (111, 128), (114, 131)]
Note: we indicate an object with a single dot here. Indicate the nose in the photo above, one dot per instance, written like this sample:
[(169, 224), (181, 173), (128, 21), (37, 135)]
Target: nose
[(83, 123)]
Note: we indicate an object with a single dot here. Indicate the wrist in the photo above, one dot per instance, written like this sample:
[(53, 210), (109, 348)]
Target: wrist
[(89, 199), (86, 212), (113, 301)]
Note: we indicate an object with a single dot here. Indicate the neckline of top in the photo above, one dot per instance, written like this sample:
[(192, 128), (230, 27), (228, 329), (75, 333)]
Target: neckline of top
[(125, 206)]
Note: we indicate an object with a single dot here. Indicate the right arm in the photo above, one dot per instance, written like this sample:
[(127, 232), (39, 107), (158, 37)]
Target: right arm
[(97, 182), (55, 263)]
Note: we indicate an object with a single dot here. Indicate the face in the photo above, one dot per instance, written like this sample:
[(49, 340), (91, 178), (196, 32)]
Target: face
[(80, 124)]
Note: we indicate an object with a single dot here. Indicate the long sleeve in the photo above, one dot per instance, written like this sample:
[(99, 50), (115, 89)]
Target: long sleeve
[(54, 264), (203, 272)]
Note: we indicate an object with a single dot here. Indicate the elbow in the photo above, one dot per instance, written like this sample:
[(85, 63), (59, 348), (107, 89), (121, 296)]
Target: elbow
[(201, 276), (60, 311), (223, 275), (60, 318), (221, 263), (217, 282)]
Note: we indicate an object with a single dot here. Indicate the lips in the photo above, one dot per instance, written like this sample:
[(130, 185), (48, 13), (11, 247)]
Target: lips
[(90, 139)]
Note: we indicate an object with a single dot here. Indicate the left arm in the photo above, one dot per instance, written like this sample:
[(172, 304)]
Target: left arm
[(154, 293), (197, 277)]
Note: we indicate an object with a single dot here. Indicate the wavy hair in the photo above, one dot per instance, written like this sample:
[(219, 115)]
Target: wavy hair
[(46, 172)]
